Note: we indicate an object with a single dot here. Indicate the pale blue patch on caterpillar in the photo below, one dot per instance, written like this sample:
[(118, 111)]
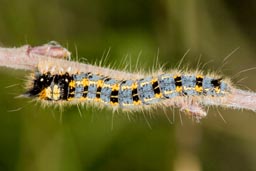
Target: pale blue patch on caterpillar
[(190, 83), (125, 93), (167, 85), (146, 91), (107, 89)]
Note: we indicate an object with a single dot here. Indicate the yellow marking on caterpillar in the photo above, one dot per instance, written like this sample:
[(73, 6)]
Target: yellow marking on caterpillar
[(48, 92), (42, 94), (134, 86), (82, 99), (160, 95), (72, 84), (217, 89), (56, 92), (137, 102), (100, 83), (115, 87), (179, 88), (113, 103), (71, 98), (199, 89), (85, 82)]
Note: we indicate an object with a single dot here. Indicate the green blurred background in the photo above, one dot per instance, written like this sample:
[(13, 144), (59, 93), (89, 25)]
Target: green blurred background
[(33, 138)]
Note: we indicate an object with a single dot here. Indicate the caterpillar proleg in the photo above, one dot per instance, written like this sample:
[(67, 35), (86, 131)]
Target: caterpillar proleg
[(58, 82)]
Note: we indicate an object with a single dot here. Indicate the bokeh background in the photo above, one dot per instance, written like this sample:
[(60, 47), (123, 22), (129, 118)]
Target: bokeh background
[(34, 138)]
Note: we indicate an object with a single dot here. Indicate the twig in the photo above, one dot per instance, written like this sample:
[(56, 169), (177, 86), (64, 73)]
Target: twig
[(241, 99), (27, 57), (40, 57)]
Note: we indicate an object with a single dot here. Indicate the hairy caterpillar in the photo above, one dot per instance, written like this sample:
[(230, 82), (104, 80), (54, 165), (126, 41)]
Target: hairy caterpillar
[(60, 84)]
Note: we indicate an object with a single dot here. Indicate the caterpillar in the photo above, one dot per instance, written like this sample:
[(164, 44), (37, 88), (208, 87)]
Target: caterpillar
[(60, 84), (124, 93)]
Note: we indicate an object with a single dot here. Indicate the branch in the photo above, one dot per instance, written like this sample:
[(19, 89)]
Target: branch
[(241, 99), (27, 57)]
